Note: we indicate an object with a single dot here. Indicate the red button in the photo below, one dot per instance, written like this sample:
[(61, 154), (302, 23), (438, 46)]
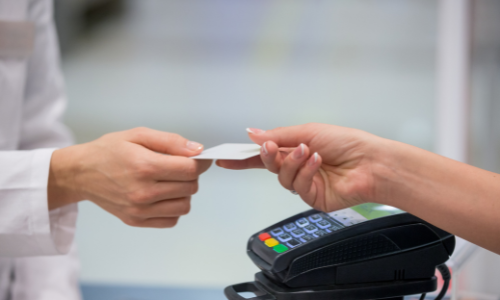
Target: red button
[(264, 236)]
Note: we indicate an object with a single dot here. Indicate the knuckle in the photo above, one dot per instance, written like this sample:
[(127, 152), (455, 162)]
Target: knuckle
[(138, 197), (171, 222), (186, 207), (191, 171), (143, 169), (138, 133), (174, 137), (194, 187), (284, 183), (165, 222), (134, 211), (139, 130), (311, 125), (131, 221)]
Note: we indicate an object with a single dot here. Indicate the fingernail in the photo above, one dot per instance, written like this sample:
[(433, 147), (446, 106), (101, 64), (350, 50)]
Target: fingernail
[(299, 151), (313, 160), (194, 146), (264, 149), (255, 130)]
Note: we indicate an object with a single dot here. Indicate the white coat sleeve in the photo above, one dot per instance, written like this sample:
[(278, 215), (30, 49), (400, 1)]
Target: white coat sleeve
[(26, 226)]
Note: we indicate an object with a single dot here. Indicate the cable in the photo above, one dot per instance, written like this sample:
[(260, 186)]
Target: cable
[(423, 296), (445, 273)]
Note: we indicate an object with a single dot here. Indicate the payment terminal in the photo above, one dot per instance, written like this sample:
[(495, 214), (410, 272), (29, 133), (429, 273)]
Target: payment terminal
[(369, 251)]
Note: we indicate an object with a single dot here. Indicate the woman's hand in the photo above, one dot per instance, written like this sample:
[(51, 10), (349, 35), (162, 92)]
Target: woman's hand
[(352, 167), (330, 167), (128, 174)]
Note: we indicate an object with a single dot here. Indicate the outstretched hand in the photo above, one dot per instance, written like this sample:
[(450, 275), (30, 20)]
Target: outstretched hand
[(129, 175), (330, 167)]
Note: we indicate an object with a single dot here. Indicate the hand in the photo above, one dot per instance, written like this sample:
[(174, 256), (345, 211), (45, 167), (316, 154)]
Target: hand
[(330, 167), (354, 167), (128, 174)]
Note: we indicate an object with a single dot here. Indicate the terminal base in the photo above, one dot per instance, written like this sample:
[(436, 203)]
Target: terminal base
[(266, 289)]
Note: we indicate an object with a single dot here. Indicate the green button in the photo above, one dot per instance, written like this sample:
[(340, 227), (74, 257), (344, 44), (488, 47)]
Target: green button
[(280, 248)]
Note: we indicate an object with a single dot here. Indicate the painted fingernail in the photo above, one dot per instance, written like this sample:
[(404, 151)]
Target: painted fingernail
[(264, 149), (299, 151), (313, 160), (194, 146), (255, 130)]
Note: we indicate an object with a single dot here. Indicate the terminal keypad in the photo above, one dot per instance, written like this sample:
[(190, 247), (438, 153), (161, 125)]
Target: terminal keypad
[(315, 218), (290, 227), (310, 228), (277, 231), (301, 231), (307, 238), (323, 224), (298, 233), (284, 237), (302, 222)]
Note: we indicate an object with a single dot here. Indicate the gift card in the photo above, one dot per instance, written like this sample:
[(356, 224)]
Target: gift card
[(230, 151)]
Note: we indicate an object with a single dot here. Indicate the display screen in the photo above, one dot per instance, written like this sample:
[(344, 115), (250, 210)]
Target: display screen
[(372, 211)]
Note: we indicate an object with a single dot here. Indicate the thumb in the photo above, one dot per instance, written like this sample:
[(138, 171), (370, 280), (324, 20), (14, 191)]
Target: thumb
[(164, 142), (291, 136)]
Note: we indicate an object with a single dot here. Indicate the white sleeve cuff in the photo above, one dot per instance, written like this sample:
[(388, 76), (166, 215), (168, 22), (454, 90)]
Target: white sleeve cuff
[(27, 228)]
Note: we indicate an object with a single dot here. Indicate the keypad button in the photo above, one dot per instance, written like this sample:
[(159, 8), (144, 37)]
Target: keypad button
[(271, 242), (277, 231), (307, 238), (298, 233), (302, 222), (280, 248), (310, 228), (290, 227), (264, 236), (320, 233), (284, 237), (293, 243), (315, 218), (323, 224)]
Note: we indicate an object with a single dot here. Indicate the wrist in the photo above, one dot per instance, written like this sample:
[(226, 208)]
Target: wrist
[(62, 188), (401, 170), (388, 166)]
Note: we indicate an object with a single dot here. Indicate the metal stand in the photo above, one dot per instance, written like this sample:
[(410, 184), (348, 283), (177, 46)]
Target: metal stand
[(266, 289)]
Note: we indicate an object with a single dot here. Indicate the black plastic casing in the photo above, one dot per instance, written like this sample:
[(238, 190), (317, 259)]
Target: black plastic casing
[(396, 247)]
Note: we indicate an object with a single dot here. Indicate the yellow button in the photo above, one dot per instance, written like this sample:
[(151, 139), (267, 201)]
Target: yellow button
[(271, 242)]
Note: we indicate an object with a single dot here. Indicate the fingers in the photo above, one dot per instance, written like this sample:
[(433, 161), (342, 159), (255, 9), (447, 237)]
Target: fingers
[(162, 190), (271, 156), (250, 163), (290, 136), (291, 165), (161, 209), (174, 168), (257, 162), (154, 222), (304, 183), (162, 214), (164, 142)]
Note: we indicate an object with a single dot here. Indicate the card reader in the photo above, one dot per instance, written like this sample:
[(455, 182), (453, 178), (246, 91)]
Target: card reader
[(369, 251)]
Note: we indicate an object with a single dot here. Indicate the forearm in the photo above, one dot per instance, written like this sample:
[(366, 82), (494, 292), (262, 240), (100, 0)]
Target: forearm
[(454, 196)]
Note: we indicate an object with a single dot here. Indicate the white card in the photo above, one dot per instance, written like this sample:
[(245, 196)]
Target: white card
[(230, 151)]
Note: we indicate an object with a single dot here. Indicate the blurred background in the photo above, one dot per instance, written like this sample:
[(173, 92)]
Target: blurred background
[(209, 69)]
